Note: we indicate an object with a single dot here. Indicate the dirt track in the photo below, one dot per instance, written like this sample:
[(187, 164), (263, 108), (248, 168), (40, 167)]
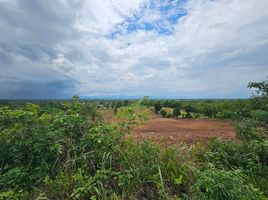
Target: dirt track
[(170, 131)]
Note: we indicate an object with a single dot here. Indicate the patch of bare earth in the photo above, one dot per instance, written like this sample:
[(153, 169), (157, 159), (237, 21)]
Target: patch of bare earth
[(190, 131), (167, 131)]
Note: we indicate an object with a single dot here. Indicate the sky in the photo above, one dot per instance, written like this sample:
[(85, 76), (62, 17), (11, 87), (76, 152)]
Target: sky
[(118, 48)]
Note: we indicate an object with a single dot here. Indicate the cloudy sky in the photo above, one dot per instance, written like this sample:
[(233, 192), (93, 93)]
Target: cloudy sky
[(113, 48)]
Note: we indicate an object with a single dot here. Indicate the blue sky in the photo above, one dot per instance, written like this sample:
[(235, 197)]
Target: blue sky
[(160, 48), (169, 12)]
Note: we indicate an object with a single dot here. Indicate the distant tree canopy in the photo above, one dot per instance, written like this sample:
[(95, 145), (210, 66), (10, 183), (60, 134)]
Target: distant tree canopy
[(189, 108), (119, 104), (126, 102), (171, 103), (75, 97)]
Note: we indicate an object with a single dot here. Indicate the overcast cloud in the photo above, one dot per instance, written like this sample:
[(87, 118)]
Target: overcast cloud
[(106, 48)]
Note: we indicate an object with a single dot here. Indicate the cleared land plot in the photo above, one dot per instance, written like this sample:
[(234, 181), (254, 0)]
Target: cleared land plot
[(170, 131)]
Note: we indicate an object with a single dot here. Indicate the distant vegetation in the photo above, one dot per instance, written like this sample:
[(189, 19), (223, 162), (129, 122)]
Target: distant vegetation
[(64, 150)]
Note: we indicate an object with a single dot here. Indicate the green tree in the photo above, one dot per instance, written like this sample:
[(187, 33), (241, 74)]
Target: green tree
[(176, 111), (189, 108), (261, 87), (163, 113), (188, 115), (119, 104), (126, 102), (115, 110), (75, 97), (208, 110), (157, 106)]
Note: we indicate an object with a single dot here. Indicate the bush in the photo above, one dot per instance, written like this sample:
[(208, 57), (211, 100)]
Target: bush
[(229, 155), (261, 116), (169, 115), (215, 184), (250, 157), (189, 108), (35, 145), (196, 116), (226, 115), (157, 107), (248, 130), (14, 195), (188, 115), (176, 112), (163, 113)]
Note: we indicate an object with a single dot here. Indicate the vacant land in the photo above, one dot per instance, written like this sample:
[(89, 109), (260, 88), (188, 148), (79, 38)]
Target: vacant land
[(171, 131)]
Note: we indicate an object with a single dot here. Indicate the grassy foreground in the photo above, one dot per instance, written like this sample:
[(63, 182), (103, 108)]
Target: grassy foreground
[(67, 152)]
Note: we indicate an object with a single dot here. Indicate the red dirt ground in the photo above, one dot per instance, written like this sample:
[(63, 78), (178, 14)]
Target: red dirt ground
[(167, 131), (190, 131)]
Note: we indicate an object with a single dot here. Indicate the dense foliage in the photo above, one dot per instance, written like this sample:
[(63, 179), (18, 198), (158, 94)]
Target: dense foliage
[(64, 150)]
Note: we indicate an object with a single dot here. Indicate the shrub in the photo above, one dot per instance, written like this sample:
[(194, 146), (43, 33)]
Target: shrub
[(34, 146), (215, 184), (14, 195), (169, 115), (261, 116), (176, 112), (229, 155), (163, 113), (196, 116), (248, 130), (226, 115), (157, 107), (189, 108), (188, 116), (249, 157)]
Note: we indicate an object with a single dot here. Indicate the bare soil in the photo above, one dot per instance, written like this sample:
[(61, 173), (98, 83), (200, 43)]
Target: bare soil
[(190, 131), (166, 131)]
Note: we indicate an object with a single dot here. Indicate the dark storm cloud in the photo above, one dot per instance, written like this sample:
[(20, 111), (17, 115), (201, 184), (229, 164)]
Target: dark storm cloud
[(32, 89), (30, 33)]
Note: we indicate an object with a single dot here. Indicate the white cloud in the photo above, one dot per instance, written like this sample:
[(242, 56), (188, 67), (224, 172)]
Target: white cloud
[(213, 51), (98, 17)]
